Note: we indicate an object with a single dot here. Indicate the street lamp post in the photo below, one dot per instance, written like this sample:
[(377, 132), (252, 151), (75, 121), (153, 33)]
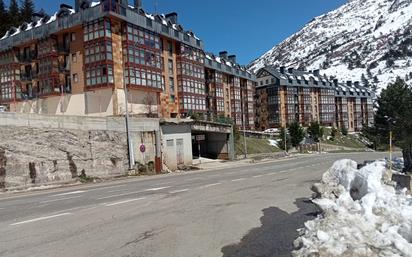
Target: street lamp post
[(391, 121), (129, 137), (244, 130)]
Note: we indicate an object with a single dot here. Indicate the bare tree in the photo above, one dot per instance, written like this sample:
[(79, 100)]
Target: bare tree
[(149, 102)]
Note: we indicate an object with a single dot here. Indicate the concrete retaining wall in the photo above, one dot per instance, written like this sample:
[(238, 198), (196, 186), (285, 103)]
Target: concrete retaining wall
[(42, 149)]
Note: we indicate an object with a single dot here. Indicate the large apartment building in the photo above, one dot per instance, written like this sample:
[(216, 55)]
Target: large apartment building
[(78, 61), (288, 95)]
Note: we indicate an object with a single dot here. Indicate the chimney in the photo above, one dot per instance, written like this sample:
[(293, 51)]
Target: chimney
[(232, 58), (282, 69), (335, 82), (172, 17), (316, 73), (138, 4), (290, 70), (349, 83), (223, 55), (77, 5)]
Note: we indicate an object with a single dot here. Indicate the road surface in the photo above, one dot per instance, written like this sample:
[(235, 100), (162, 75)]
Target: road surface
[(244, 211)]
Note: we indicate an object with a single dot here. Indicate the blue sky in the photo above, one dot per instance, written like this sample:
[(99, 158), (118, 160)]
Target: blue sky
[(245, 28)]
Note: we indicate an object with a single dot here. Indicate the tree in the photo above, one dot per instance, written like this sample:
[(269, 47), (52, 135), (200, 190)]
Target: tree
[(27, 10), (394, 114), (334, 133), (344, 131), (14, 14), (282, 140), (297, 134), (3, 19), (365, 81), (315, 131)]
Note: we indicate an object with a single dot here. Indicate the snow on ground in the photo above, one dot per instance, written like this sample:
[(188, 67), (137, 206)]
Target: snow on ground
[(273, 142), (363, 215)]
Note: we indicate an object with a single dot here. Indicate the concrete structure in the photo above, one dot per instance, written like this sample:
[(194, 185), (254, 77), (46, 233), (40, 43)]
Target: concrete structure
[(144, 131), (78, 61), (213, 140), (285, 95), (176, 143)]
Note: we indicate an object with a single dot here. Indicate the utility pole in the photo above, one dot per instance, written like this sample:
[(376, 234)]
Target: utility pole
[(390, 150), (286, 145), (129, 138), (244, 130)]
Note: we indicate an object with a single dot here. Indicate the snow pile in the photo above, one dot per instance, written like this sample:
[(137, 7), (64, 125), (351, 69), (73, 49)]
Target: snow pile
[(273, 142), (362, 215)]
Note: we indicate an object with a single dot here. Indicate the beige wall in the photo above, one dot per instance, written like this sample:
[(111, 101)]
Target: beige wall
[(90, 103)]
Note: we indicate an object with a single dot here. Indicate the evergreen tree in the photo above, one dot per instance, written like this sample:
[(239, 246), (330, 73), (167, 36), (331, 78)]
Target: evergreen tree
[(344, 131), (334, 133), (27, 10), (14, 14), (315, 131), (365, 81), (394, 114), (297, 134), (3, 19), (282, 142)]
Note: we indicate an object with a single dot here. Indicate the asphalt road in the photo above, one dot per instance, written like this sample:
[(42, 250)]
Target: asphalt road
[(244, 211)]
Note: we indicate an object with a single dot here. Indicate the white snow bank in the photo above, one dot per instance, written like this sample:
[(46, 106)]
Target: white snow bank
[(273, 142), (362, 215)]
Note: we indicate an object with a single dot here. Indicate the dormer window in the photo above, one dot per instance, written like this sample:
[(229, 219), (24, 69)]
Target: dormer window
[(149, 22)]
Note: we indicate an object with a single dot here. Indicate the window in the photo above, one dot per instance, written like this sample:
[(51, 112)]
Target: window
[(172, 85), (74, 58), (170, 143), (170, 48), (98, 75), (73, 36), (75, 78), (149, 22), (97, 29), (170, 67)]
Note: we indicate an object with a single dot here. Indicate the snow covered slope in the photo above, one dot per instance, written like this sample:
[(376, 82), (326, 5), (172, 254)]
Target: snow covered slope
[(369, 37)]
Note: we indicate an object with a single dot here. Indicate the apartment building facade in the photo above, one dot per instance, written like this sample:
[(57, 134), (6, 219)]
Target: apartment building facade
[(78, 61), (284, 96)]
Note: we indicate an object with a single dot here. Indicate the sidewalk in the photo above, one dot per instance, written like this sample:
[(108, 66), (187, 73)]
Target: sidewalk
[(209, 164)]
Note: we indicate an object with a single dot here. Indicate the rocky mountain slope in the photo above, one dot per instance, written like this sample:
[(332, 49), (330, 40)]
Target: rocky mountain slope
[(363, 40)]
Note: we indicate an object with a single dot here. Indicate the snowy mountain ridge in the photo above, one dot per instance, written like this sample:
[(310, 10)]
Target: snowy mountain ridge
[(363, 40)]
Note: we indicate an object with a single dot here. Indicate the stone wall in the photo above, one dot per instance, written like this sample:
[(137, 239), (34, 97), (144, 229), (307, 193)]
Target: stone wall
[(34, 156)]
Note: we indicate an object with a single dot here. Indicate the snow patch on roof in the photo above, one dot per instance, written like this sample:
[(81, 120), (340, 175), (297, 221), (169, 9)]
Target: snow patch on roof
[(93, 4)]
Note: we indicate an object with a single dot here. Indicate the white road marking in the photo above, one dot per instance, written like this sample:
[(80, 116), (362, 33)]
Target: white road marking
[(191, 179), (40, 219), (283, 171), (126, 201), (112, 196), (155, 189), (70, 193), (118, 190), (61, 199), (239, 179), (210, 185), (108, 187), (179, 191), (258, 176)]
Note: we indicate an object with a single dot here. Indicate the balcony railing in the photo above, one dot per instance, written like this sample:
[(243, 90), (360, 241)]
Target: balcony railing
[(27, 57)]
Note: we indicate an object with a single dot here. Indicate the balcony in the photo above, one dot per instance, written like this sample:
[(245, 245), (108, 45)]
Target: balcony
[(27, 57), (64, 68), (63, 49)]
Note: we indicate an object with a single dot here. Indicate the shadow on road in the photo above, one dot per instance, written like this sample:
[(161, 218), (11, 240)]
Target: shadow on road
[(276, 234)]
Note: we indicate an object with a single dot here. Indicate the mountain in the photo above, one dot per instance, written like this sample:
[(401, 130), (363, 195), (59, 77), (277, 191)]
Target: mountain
[(363, 40)]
